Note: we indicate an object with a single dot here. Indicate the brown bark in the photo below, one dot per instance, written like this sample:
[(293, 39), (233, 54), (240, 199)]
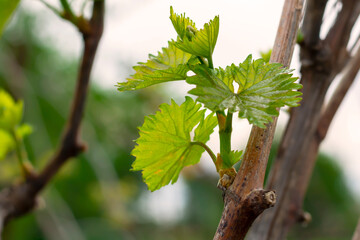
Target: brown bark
[(238, 214), (307, 126), (19, 199)]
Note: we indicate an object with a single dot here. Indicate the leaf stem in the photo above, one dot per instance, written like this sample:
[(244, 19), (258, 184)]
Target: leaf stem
[(207, 149), (18, 151), (210, 61)]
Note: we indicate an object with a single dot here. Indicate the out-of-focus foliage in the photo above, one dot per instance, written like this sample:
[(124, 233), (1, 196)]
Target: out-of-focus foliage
[(96, 189), (12, 132), (95, 197), (10, 111), (6, 143), (7, 8), (332, 206)]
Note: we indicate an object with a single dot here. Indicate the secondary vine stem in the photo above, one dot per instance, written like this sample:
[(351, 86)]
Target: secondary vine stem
[(207, 149), (225, 129), (210, 61)]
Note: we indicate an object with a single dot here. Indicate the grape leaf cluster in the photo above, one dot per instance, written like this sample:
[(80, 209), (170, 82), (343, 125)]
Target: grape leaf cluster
[(254, 89)]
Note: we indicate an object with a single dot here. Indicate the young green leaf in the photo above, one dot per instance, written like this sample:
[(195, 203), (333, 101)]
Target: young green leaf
[(23, 131), (205, 129), (204, 41), (165, 146), (7, 7), (182, 25), (7, 143), (234, 156), (266, 55), (263, 87), (210, 89), (10, 111), (168, 65), (228, 161)]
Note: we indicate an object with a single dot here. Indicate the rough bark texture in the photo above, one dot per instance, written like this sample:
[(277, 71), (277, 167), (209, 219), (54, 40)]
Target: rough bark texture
[(239, 214), (321, 61), (19, 199)]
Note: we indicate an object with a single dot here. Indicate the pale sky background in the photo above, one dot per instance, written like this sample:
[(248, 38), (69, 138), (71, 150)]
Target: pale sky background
[(133, 29)]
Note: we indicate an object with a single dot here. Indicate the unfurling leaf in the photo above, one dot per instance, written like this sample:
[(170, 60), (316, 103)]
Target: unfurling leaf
[(229, 160), (234, 156), (168, 65), (263, 87), (203, 42), (182, 25), (165, 146), (266, 55)]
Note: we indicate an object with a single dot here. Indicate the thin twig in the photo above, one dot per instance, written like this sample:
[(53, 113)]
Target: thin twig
[(51, 7), (339, 34), (70, 145), (67, 9), (313, 20), (78, 21), (349, 75), (18, 200)]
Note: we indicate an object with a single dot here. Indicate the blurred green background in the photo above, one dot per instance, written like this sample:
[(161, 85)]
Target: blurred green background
[(95, 196)]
